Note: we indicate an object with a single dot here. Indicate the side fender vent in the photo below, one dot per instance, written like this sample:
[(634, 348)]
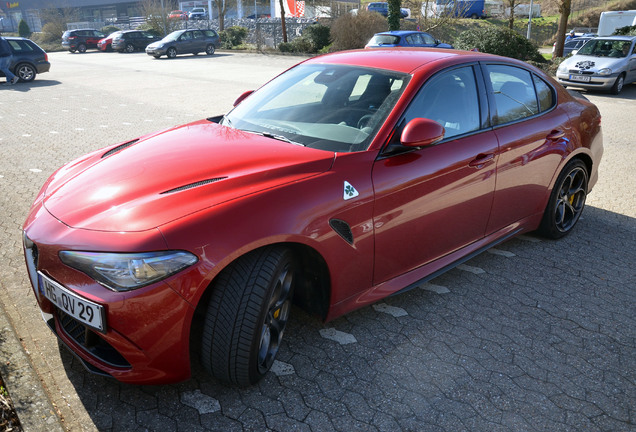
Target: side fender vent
[(193, 185), (119, 148), (342, 229)]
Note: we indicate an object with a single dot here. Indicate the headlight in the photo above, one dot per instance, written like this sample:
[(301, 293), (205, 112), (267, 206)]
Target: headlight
[(125, 272), (604, 71), (562, 68)]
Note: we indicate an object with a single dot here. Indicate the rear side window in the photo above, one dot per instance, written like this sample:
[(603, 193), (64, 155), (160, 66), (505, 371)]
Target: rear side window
[(514, 93), (545, 94), (20, 46), (210, 33)]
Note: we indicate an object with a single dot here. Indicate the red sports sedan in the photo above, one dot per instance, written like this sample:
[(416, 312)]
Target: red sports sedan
[(348, 178)]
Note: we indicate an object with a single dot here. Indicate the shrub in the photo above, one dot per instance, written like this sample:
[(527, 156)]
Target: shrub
[(298, 45), (319, 36), (351, 32), (626, 31), (233, 36), (109, 29), (23, 29), (501, 41)]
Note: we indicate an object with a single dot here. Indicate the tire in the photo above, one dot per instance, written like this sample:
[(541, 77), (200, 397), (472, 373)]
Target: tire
[(25, 72), (567, 201), (171, 53), (81, 48), (130, 48), (72, 51), (618, 84), (247, 314), (157, 56), (209, 50)]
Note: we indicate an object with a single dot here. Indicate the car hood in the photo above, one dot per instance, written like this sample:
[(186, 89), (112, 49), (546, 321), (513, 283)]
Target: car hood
[(593, 63), (145, 183)]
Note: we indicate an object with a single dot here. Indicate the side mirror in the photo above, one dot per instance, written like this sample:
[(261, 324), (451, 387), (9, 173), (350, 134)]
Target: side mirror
[(421, 132), (242, 97)]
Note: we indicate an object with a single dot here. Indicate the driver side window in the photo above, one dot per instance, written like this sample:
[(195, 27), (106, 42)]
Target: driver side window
[(450, 98)]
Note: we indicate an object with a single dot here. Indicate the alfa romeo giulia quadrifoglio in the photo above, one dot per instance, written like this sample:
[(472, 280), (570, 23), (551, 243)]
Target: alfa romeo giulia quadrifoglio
[(350, 177)]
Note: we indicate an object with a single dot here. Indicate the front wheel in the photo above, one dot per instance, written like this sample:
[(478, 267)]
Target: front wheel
[(171, 53), (247, 315), (209, 50), (618, 84), (81, 48), (25, 72), (566, 201)]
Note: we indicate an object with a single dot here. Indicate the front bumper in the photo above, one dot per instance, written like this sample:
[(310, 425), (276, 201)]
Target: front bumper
[(597, 82), (156, 51), (147, 330)]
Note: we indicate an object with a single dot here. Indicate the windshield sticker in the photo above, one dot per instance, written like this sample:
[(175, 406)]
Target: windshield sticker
[(349, 191)]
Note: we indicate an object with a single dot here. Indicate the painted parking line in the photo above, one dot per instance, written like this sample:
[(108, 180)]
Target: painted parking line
[(390, 310), (500, 252), (280, 368), (337, 336), (470, 269), (437, 289)]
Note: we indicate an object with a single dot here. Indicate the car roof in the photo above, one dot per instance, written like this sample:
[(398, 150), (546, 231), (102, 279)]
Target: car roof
[(400, 32), (623, 38), (405, 60)]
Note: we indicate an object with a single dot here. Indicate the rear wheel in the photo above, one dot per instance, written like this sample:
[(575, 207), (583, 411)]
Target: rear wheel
[(171, 53), (247, 314), (81, 48), (25, 72), (209, 50), (130, 48), (567, 201)]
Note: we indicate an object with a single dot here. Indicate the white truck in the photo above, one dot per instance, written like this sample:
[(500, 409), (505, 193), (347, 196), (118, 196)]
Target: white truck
[(612, 20)]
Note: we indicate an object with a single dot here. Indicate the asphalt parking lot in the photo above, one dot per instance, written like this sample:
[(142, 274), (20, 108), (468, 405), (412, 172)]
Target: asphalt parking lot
[(534, 335)]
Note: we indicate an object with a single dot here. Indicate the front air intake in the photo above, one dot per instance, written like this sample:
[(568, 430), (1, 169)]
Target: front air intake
[(194, 185)]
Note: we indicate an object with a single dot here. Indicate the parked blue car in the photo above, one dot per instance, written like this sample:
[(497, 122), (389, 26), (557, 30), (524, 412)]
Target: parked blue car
[(405, 38)]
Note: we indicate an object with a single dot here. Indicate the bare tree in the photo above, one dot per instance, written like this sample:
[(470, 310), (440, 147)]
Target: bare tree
[(511, 18), (282, 20)]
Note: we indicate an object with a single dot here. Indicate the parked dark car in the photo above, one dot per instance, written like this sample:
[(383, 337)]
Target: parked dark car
[(383, 9), (185, 42), (405, 38), (28, 59), (81, 40), (572, 45), (133, 40)]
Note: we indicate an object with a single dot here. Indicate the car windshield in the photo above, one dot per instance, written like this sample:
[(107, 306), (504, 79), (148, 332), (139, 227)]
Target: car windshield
[(330, 107), (605, 48), (384, 40), (172, 36)]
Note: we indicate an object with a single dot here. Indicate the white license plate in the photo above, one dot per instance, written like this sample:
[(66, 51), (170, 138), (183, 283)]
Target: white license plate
[(83, 310), (580, 78)]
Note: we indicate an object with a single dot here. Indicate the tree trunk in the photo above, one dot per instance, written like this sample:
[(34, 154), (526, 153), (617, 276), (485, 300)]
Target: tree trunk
[(282, 20), (564, 8), (394, 14)]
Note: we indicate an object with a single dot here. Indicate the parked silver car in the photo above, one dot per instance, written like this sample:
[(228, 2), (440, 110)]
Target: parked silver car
[(603, 63)]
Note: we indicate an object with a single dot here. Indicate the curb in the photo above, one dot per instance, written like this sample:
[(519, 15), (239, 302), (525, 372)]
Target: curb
[(31, 403)]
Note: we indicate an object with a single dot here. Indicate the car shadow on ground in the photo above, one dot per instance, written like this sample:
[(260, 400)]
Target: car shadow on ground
[(628, 92), (191, 56), (508, 338), (27, 86)]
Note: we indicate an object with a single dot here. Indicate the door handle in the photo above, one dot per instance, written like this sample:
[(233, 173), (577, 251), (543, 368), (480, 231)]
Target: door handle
[(481, 160), (555, 135)]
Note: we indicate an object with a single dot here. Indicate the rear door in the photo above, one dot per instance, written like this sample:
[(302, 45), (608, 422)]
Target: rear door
[(533, 135), (434, 200)]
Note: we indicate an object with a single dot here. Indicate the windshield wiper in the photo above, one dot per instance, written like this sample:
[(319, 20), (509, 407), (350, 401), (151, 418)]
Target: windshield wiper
[(274, 136)]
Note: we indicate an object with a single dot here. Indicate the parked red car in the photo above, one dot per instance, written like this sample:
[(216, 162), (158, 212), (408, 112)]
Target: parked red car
[(106, 44), (178, 14), (348, 178)]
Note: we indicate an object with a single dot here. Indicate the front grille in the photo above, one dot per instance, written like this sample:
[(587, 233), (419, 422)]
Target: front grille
[(90, 341), (580, 72)]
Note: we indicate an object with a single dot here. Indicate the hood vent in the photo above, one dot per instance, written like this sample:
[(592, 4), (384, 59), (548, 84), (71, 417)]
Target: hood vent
[(194, 185), (119, 147)]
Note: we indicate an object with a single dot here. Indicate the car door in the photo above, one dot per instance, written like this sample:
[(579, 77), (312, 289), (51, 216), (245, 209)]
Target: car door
[(184, 44), (631, 66), (533, 136), (436, 199), (198, 41)]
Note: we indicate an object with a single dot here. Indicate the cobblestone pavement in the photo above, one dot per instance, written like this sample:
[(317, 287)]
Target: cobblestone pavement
[(535, 335)]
